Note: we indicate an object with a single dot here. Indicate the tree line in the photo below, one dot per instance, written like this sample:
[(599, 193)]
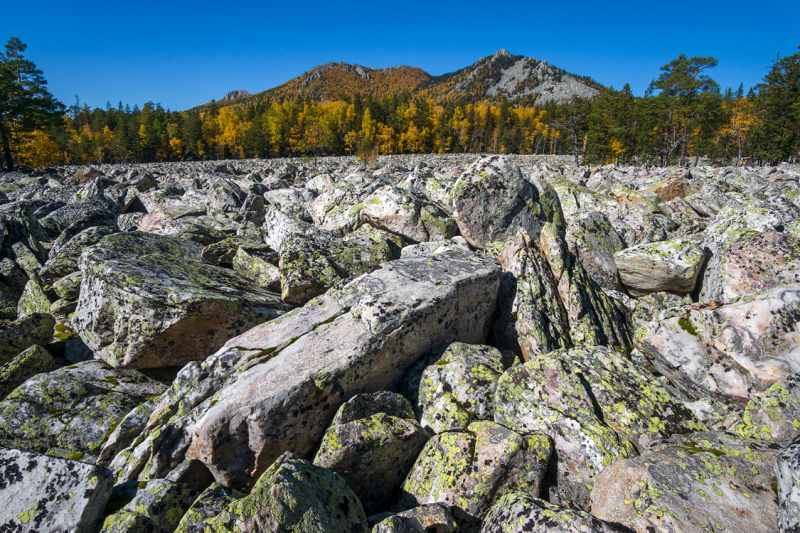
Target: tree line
[(683, 115)]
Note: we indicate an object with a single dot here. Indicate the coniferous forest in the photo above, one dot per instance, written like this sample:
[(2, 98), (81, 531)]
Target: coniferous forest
[(683, 116)]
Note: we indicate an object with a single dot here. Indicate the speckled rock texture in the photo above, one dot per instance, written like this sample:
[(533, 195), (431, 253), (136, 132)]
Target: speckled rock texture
[(230, 412), (42, 493), (23, 333), (372, 452), (775, 415), (71, 411), (32, 361), (154, 506), (518, 512), (470, 470), (594, 241), (661, 266), (731, 352), (146, 301), (292, 495), (596, 405), (787, 472), (407, 215), (431, 518), (700, 482)]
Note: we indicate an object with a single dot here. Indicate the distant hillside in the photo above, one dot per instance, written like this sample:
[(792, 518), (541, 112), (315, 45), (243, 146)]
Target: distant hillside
[(500, 75)]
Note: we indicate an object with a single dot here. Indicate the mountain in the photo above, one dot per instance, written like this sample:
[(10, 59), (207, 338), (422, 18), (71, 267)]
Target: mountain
[(235, 95), (500, 75)]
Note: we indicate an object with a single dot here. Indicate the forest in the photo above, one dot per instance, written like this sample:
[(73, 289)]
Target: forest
[(683, 116)]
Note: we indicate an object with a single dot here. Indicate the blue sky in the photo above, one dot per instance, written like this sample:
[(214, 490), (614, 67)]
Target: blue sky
[(183, 54)]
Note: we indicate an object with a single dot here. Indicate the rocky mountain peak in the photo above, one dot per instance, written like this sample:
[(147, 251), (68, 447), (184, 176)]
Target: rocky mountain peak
[(235, 95)]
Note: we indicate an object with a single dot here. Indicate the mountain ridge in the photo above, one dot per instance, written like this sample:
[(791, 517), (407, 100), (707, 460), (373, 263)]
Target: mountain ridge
[(500, 75)]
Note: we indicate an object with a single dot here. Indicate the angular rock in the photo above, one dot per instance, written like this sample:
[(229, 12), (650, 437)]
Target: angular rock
[(731, 352), (775, 415), (338, 208), (71, 411), (492, 201), (69, 287), (42, 493), (432, 518), (518, 512), (32, 361), (704, 481), (787, 472), (360, 337), (33, 300), (23, 333), (459, 387), (597, 406), (366, 405), (292, 495), (96, 210), (292, 201), (415, 220), (471, 470), (155, 506), (64, 259), (594, 241), (146, 301), (373, 455), (660, 266), (259, 267)]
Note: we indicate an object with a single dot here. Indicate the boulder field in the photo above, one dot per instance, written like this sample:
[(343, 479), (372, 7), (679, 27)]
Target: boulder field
[(421, 344)]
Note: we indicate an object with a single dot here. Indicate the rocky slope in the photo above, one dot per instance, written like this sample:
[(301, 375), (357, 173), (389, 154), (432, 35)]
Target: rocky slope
[(427, 343), (499, 75)]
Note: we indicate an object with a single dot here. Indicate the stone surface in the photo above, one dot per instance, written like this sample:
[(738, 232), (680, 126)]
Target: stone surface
[(731, 352), (32, 361), (518, 512), (775, 415), (704, 481), (292, 495), (147, 301), (413, 218), (787, 472), (597, 406), (432, 518), (155, 506), (594, 241), (23, 333), (470, 470), (71, 411), (42, 493), (660, 266), (360, 337)]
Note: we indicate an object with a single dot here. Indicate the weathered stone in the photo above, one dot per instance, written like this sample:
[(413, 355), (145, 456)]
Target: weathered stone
[(292, 201), (146, 301), (365, 405), (660, 266), (597, 406), (32, 361), (431, 518), (373, 455), (95, 210), (397, 211), (42, 493), (292, 495), (154, 506), (594, 241), (257, 267), (33, 300), (64, 259), (71, 411), (470, 471), (459, 387), (699, 482), (730, 352), (23, 333), (518, 512), (359, 337), (338, 208), (775, 415), (69, 286), (787, 472), (492, 201)]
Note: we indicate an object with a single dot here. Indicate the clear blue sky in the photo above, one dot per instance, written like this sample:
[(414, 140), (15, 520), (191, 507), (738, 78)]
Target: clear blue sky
[(182, 54)]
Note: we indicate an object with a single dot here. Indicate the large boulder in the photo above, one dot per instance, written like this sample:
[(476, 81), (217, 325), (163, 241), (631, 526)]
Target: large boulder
[(548, 300), (518, 512), (373, 452), (42, 493), (413, 218), (155, 507), (32, 361), (230, 413), (731, 352), (292, 495), (95, 210), (660, 266), (594, 241), (491, 201), (432, 518), (457, 387), (596, 405), (699, 482), (21, 334), (71, 411), (147, 301), (787, 472), (470, 470), (64, 259), (774, 415)]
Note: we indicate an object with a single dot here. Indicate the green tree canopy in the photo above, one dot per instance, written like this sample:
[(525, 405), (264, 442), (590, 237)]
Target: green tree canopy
[(25, 102)]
